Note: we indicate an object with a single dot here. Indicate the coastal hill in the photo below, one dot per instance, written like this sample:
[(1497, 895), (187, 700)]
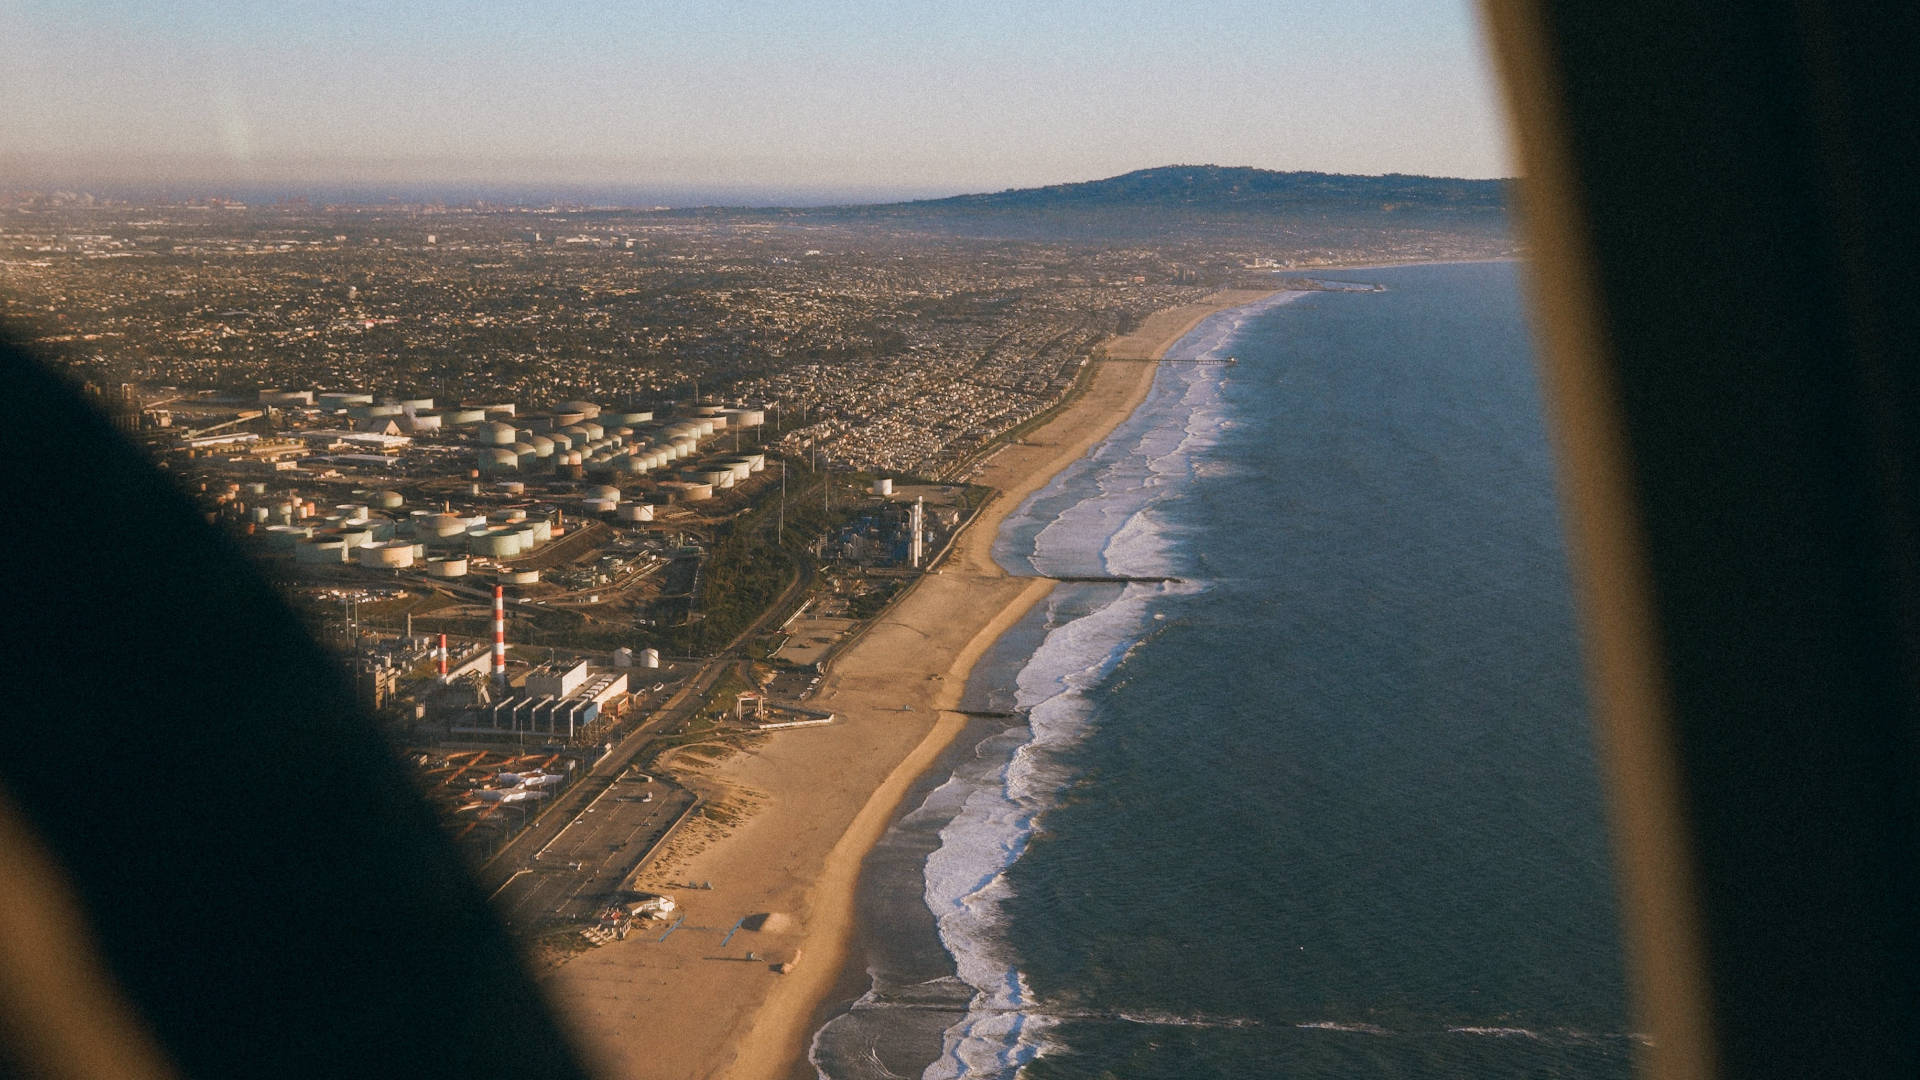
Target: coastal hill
[(1202, 203), (1240, 190)]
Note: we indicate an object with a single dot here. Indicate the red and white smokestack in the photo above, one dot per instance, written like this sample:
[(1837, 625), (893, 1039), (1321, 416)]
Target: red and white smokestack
[(500, 636), (443, 659)]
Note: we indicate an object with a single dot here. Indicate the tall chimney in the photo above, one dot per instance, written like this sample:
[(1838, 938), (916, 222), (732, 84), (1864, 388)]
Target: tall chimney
[(499, 637), (443, 659)]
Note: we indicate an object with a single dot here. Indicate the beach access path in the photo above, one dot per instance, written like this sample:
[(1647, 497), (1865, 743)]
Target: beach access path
[(683, 1001)]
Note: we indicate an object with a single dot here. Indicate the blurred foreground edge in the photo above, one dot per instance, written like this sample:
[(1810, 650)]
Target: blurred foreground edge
[(1718, 207), (214, 864)]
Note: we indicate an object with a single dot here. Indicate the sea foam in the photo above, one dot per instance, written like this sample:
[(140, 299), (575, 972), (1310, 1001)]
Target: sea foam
[(1096, 516)]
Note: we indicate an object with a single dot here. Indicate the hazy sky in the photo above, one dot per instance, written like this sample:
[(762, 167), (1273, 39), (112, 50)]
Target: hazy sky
[(830, 95)]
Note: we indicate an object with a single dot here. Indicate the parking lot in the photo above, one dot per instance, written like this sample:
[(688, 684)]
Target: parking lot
[(584, 867)]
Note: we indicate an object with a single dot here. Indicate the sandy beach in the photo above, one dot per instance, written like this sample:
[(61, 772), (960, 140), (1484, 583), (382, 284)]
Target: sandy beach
[(797, 813)]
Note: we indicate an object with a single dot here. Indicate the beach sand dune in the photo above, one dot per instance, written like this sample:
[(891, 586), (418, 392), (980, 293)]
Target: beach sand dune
[(703, 997)]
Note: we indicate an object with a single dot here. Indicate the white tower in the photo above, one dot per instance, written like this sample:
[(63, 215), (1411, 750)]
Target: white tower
[(916, 524)]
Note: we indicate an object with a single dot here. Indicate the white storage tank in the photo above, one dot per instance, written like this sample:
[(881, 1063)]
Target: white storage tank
[(510, 487), (627, 416), (509, 516), (497, 459), (441, 526), (687, 491), (600, 506), (746, 417), (449, 566), (635, 512), (502, 543), (388, 500), (342, 399), (284, 538), (603, 491), (542, 446), (883, 486), (496, 434), (463, 417), (541, 528), (519, 577), (394, 555), (320, 549), (585, 408), (649, 658)]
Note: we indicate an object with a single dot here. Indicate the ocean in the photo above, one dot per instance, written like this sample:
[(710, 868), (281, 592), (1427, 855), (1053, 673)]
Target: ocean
[(1326, 805)]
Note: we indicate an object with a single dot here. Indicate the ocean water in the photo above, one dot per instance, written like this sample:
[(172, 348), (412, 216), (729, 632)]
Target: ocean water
[(1325, 806)]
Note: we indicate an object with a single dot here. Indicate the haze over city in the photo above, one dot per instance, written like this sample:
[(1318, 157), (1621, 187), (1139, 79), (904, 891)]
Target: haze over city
[(852, 100)]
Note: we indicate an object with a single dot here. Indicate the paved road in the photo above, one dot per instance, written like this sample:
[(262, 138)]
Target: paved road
[(518, 854), (583, 866)]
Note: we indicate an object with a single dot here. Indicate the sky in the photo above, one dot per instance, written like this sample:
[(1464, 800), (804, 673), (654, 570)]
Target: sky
[(828, 97)]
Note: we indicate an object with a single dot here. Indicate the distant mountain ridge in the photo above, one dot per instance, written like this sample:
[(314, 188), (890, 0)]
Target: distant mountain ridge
[(1239, 190)]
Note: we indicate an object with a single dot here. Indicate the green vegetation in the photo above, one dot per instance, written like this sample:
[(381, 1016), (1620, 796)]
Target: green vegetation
[(748, 567)]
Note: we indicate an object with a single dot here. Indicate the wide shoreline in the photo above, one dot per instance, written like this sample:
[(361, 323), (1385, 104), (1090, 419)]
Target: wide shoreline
[(683, 1006)]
